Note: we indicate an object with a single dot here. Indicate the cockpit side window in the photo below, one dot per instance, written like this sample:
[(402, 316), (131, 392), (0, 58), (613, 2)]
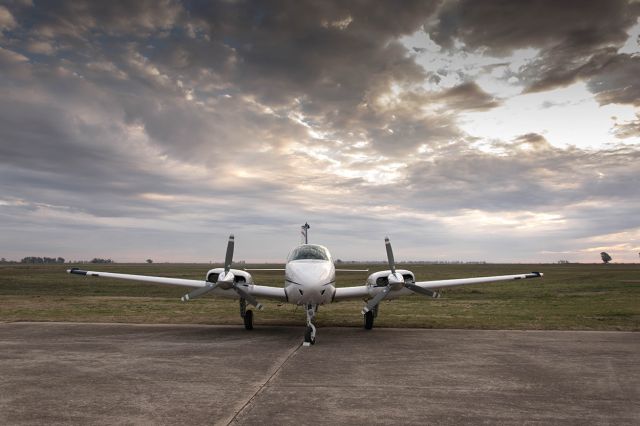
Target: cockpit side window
[(309, 252)]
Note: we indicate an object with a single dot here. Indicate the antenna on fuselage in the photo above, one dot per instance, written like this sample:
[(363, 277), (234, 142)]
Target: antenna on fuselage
[(304, 232)]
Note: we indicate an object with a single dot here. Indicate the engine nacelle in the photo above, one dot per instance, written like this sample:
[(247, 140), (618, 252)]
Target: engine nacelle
[(240, 276), (380, 278)]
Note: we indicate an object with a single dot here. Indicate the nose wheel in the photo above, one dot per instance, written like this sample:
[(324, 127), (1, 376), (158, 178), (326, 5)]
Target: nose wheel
[(310, 333)]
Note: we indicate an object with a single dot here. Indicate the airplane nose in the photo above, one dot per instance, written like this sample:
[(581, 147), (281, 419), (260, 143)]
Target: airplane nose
[(310, 280), (310, 294)]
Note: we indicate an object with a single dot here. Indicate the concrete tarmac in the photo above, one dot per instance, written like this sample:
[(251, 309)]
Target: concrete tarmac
[(65, 373)]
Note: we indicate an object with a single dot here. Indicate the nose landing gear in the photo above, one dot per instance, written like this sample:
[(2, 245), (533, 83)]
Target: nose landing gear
[(310, 333)]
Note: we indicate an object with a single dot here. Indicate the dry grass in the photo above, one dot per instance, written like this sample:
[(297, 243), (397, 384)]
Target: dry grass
[(571, 297)]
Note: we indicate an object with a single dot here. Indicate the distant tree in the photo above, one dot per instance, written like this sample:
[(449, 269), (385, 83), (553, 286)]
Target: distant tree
[(149, 261), (60, 260), (98, 260), (605, 257)]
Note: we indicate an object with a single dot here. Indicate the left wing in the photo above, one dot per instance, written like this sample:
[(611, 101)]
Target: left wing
[(253, 289), (478, 280), (366, 291)]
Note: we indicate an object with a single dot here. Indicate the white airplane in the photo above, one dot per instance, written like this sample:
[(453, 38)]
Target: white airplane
[(309, 281)]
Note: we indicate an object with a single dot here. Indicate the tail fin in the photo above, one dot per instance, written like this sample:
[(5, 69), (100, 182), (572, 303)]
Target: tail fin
[(304, 233)]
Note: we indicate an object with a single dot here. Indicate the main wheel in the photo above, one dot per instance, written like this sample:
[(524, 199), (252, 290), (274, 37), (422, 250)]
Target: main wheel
[(368, 320), (248, 320), (308, 336)]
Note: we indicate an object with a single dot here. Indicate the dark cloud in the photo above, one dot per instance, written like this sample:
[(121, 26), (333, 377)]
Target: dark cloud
[(79, 19), (576, 39), (324, 60), (468, 96), (617, 81), (501, 26), (328, 59)]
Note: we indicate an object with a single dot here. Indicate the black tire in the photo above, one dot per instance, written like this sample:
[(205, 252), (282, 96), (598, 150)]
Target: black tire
[(307, 336), (368, 320), (248, 320)]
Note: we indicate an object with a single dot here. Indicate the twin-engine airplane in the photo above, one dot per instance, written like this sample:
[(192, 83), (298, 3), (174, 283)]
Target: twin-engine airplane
[(309, 281)]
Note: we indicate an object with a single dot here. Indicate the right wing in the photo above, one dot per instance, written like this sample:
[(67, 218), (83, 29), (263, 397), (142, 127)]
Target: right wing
[(253, 289), (147, 278)]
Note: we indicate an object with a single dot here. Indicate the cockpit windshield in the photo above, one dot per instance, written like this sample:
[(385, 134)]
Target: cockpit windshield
[(309, 251)]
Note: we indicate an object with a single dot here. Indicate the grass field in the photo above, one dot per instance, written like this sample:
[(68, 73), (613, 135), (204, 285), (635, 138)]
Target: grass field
[(569, 297)]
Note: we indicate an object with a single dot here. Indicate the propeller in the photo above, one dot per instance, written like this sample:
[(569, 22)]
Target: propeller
[(227, 278), (395, 281), (198, 292), (417, 289)]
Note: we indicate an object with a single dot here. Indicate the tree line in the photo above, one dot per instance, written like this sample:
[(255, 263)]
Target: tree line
[(37, 260)]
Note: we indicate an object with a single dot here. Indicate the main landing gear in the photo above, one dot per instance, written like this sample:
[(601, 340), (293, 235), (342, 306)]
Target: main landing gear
[(247, 315), (369, 316), (310, 333)]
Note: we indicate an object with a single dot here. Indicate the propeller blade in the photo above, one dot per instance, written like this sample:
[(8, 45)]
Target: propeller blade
[(377, 299), (392, 263), (248, 297), (425, 291), (229, 256), (198, 292)]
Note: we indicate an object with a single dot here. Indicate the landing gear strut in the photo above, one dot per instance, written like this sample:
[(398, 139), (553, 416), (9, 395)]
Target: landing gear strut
[(310, 333), (247, 315), (369, 316)]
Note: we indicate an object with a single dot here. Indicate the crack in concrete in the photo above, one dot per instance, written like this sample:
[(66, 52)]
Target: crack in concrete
[(262, 386)]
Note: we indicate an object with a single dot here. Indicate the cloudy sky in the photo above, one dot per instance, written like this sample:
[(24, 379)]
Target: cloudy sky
[(497, 130)]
